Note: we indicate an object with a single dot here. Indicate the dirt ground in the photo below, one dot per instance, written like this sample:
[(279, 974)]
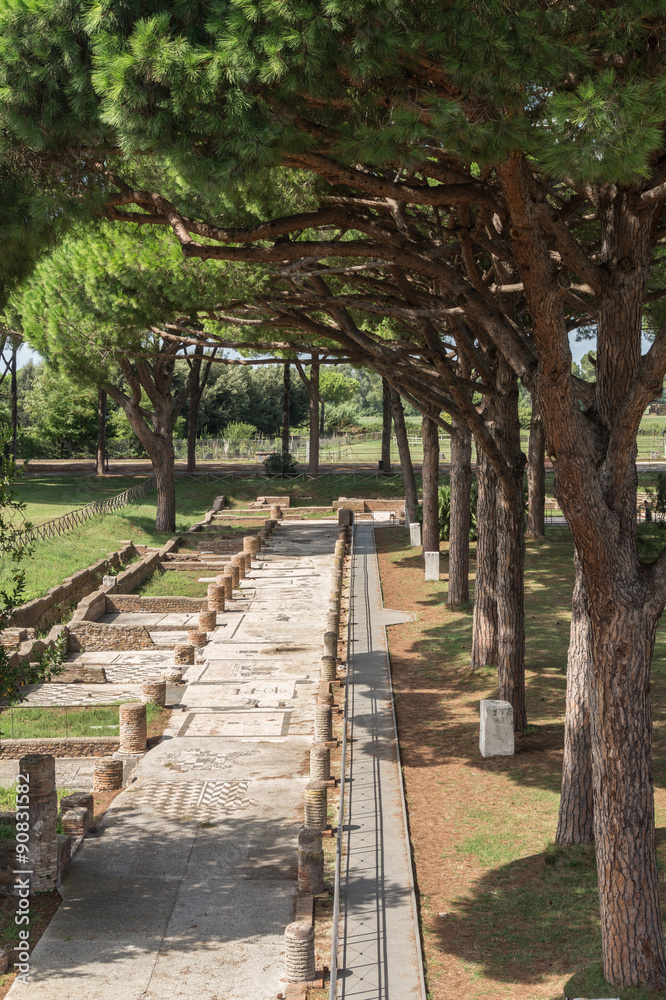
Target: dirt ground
[(494, 893)]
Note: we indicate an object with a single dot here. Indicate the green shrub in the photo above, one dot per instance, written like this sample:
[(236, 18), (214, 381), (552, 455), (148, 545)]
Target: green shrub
[(238, 431), (280, 464)]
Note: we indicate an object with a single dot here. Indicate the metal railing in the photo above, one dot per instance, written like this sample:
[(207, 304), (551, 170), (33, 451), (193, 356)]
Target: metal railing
[(67, 522), (335, 930)]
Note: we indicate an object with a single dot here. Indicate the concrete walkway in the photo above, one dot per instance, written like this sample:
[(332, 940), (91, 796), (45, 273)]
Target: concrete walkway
[(379, 956), (187, 889)]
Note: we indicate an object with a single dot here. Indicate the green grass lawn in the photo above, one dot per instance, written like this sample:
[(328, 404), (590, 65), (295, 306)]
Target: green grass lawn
[(173, 583), (56, 558), (28, 722), (47, 497)]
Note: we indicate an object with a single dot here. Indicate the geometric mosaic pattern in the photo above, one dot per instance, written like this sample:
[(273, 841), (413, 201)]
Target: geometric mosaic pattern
[(71, 694), (200, 800), (200, 760), (125, 673)]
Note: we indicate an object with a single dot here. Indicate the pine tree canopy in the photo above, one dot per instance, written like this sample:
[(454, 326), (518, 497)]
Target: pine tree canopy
[(221, 89)]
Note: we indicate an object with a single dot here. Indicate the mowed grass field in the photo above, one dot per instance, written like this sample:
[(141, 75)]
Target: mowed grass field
[(56, 558), (506, 914)]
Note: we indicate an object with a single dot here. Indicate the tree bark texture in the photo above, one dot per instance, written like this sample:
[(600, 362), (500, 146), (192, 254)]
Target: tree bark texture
[(624, 832), (14, 400), (536, 475), (409, 480), (386, 426), (286, 393), (484, 623), (199, 382), (158, 442), (192, 428), (593, 450), (154, 428), (574, 824), (510, 552), (101, 431), (461, 484), (430, 471), (313, 390)]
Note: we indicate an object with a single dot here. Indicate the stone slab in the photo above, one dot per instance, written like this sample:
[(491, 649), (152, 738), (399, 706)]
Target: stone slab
[(496, 736), (257, 723)]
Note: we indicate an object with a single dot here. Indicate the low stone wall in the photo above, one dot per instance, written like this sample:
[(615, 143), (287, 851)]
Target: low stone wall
[(29, 651), (154, 605), (42, 612), (359, 505), (72, 746), (93, 636), (92, 607)]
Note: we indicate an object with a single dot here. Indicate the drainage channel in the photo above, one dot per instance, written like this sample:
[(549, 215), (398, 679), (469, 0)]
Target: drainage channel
[(379, 952)]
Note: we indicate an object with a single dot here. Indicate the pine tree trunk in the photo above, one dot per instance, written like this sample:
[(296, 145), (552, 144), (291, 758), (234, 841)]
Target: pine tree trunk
[(101, 431), (461, 483), (430, 470), (574, 825), (624, 832), (163, 463), (313, 390), (14, 400), (484, 624), (386, 426), (510, 552), (192, 428), (536, 475), (286, 392), (411, 496)]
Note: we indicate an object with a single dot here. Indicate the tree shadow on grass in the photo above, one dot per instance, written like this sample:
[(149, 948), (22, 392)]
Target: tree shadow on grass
[(527, 920), (532, 919)]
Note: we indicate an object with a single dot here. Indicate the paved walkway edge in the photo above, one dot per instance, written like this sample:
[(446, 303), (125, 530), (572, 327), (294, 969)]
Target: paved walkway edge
[(380, 940), (405, 820)]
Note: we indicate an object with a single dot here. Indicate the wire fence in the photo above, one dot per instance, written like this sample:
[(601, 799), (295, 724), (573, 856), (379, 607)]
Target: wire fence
[(67, 522)]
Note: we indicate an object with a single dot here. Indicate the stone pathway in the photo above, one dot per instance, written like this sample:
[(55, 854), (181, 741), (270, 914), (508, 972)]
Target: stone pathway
[(187, 890), (379, 954)]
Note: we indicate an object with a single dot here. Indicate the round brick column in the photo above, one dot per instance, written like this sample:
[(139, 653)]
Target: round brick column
[(328, 668), (183, 654), (331, 643), (216, 597), (107, 774), (320, 762), (332, 622), (299, 953), (251, 544), (153, 692), (310, 862), (323, 724), (133, 728), (235, 576), (316, 806), (197, 639), (276, 512), (207, 620), (239, 562), (43, 812)]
